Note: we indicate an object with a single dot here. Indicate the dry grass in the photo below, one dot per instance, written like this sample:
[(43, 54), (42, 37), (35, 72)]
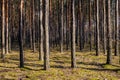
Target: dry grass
[(89, 67)]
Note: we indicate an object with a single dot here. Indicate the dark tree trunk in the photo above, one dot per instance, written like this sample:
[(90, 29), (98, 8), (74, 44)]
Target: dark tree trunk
[(90, 39), (80, 24), (9, 33), (20, 37), (33, 25), (30, 29)]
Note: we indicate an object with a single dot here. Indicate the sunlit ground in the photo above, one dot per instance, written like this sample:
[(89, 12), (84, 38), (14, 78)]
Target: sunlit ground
[(89, 67)]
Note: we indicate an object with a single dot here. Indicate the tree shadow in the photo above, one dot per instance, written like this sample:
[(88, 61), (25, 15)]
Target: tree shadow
[(92, 63), (115, 65), (101, 69), (13, 58), (33, 65), (57, 66), (61, 62)]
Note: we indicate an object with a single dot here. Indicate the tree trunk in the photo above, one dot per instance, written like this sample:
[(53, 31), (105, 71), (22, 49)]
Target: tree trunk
[(80, 25), (46, 27), (9, 36), (20, 37), (41, 32), (90, 39), (3, 30), (97, 29), (61, 29), (7, 24), (30, 29), (73, 59), (33, 25), (104, 27), (117, 29), (109, 36)]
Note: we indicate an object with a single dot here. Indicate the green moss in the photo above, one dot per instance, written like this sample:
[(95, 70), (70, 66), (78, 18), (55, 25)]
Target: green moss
[(107, 66)]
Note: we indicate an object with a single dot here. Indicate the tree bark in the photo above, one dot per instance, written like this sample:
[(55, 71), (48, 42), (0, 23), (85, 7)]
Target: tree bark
[(7, 26), (20, 37), (46, 27), (3, 30), (90, 39), (117, 29), (30, 29), (41, 32), (104, 27), (97, 29), (62, 26), (109, 36), (33, 25), (73, 44)]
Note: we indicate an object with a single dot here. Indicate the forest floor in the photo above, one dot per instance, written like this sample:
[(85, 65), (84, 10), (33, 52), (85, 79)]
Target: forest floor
[(89, 67)]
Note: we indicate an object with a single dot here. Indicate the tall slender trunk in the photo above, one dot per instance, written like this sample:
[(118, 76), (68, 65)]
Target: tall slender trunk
[(59, 23), (97, 29), (117, 29), (20, 37), (7, 27), (67, 27), (9, 36), (41, 32), (109, 36), (30, 29), (80, 24), (77, 25), (94, 18), (3, 30), (62, 26), (24, 28), (73, 50), (104, 26), (90, 39), (46, 27), (33, 25)]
